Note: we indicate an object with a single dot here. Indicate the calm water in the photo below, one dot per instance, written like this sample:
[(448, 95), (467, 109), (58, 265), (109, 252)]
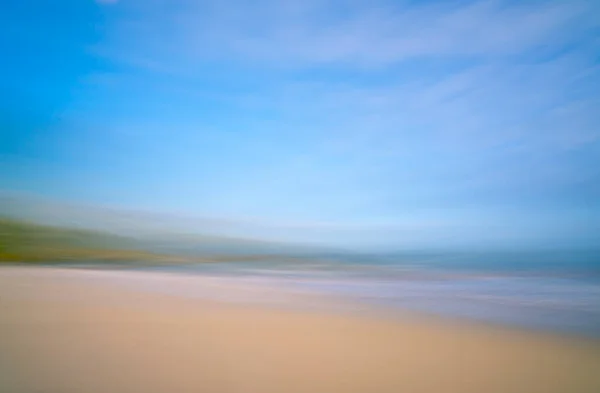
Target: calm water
[(551, 291)]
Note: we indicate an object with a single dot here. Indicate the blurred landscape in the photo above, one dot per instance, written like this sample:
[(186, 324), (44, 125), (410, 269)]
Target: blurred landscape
[(23, 241), (34, 230), (304, 196), (552, 289)]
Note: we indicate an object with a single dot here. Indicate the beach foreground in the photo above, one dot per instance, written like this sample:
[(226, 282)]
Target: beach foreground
[(62, 332)]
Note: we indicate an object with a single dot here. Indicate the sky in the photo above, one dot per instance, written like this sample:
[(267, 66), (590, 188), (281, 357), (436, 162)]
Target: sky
[(370, 123)]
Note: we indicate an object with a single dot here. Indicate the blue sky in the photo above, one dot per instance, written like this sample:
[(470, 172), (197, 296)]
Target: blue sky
[(388, 123)]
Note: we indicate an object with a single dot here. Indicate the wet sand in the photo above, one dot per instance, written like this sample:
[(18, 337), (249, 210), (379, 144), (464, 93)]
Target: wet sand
[(68, 331)]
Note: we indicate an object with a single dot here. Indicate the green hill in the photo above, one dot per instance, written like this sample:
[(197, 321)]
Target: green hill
[(26, 242)]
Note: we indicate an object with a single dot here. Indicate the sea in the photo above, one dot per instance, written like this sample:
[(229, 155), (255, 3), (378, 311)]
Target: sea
[(556, 291)]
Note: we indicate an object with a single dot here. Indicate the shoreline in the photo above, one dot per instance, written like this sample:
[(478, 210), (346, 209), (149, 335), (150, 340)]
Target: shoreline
[(73, 331), (255, 288)]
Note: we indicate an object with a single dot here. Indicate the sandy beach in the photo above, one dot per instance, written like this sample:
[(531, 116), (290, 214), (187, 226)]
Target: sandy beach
[(70, 331)]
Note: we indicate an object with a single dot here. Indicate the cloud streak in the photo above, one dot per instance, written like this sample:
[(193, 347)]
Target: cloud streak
[(325, 115), (297, 33)]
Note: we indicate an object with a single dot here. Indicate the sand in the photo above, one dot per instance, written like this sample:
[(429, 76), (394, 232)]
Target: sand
[(66, 331)]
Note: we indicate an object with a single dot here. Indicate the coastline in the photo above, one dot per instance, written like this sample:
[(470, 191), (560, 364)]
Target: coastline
[(559, 305), (66, 330)]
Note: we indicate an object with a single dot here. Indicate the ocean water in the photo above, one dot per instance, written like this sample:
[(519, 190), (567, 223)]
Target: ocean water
[(556, 292)]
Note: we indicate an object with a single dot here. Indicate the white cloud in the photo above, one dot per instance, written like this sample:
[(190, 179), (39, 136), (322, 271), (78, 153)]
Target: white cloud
[(307, 33), (524, 95)]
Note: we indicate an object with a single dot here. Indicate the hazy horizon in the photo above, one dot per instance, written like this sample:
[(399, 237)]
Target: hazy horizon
[(173, 227)]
